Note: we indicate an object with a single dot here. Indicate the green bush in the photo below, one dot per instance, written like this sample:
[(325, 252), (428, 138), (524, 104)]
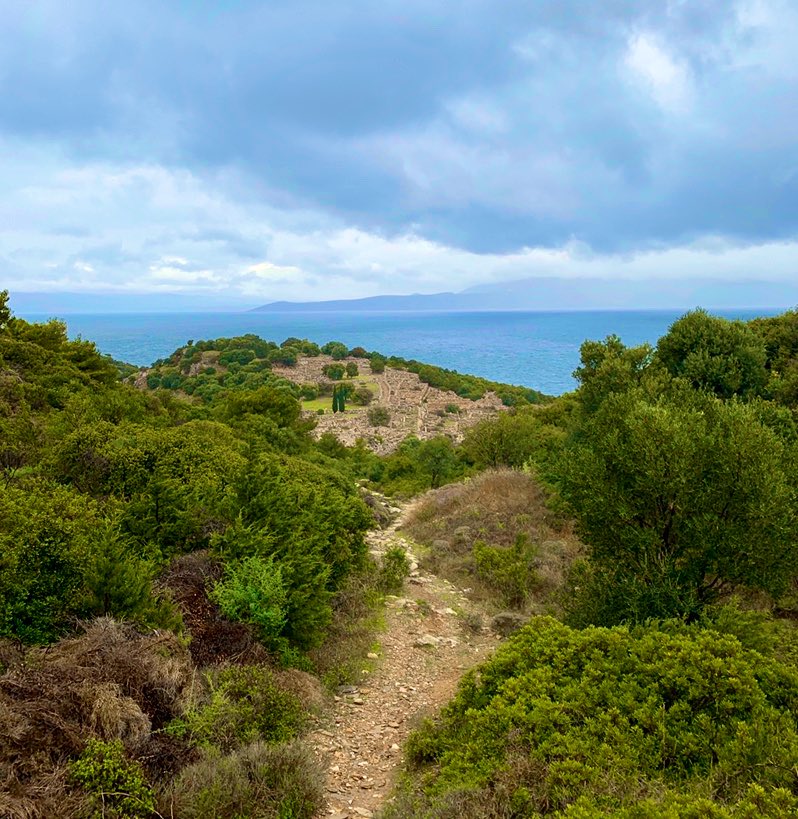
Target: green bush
[(362, 396), (612, 720), (377, 364), (394, 568), (253, 591), (351, 369), (336, 349), (116, 785), (246, 704), (379, 416), (511, 572), (335, 372)]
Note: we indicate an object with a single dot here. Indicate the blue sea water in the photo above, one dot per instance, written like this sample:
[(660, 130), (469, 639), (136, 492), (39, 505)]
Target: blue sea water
[(538, 350)]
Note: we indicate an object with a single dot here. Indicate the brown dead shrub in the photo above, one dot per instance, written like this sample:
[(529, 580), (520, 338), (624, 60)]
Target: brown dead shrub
[(214, 639), (111, 682)]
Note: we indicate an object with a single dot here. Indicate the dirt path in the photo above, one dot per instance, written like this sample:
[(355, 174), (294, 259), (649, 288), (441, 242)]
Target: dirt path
[(425, 651)]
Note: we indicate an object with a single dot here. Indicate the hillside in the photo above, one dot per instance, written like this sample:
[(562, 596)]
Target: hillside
[(414, 408), (417, 399), (211, 607)]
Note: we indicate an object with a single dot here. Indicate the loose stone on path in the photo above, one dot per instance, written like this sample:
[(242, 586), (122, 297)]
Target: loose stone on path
[(425, 652)]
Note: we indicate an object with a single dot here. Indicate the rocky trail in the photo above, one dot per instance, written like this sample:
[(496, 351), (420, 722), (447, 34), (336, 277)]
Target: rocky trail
[(425, 649)]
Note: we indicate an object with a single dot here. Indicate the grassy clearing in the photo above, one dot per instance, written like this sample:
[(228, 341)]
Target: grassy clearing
[(325, 403)]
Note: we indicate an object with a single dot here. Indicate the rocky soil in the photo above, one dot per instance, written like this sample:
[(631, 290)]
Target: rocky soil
[(415, 407), (425, 649)]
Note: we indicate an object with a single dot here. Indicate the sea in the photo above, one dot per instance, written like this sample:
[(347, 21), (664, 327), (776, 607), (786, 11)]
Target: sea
[(533, 349)]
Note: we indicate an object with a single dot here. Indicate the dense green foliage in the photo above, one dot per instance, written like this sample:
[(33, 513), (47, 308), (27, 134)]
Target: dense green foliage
[(587, 723), (117, 785), (681, 499), (678, 465), (104, 484)]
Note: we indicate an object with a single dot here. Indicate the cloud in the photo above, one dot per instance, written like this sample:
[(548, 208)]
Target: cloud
[(149, 237), (276, 150), (667, 80)]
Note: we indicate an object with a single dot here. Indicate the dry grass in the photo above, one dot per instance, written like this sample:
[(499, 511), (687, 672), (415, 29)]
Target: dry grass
[(111, 682), (258, 781), (356, 619), (495, 507)]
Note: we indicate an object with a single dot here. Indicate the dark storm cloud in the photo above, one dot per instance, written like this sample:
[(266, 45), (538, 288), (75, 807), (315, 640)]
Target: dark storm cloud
[(482, 126)]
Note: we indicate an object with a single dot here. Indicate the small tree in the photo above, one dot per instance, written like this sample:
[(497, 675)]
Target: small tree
[(336, 349), (351, 369), (5, 310), (714, 354), (379, 416), (680, 501), (335, 372), (437, 458)]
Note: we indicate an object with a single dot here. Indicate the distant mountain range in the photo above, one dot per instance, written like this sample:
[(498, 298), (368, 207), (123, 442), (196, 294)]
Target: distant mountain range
[(526, 294), (570, 294)]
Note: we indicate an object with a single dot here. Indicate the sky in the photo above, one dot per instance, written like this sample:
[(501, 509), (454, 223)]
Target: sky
[(247, 152)]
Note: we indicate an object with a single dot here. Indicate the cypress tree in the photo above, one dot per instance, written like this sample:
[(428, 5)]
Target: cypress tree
[(335, 399), (342, 400)]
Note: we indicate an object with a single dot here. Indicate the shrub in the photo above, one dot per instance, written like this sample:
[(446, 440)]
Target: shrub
[(236, 356), (394, 568), (253, 591), (336, 349), (351, 369), (257, 782), (511, 572), (379, 416), (377, 364), (602, 720), (335, 372), (246, 704), (362, 396), (287, 356), (116, 784)]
